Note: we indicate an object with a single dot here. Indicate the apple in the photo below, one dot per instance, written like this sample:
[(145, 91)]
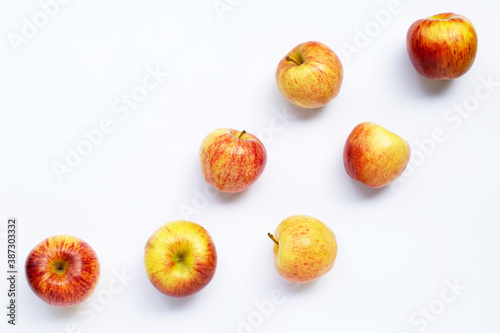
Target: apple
[(442, 46), (62, 270), (180, 258), (232, 160), (310, 75), (374, 156), (304, 248)]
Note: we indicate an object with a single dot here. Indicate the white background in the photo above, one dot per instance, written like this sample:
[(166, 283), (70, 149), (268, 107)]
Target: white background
[(399, 247)]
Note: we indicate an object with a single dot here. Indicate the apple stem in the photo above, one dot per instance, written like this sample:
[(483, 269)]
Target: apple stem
[(274, 239), (292, 60), (241, 134)]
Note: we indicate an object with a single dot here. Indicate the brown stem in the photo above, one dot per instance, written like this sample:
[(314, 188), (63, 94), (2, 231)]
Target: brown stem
[(241, 134), (274, 239), (292, 60)]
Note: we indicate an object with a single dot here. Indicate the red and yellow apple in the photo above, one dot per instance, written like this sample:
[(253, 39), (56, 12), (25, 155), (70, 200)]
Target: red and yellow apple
[(304, 248), (232, 160), (310, 75), (180, 258), (374, 156), (442, 46), (62, 270)]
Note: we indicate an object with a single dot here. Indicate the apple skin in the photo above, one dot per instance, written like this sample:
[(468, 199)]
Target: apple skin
[(304, 249), (62, 270), (231, 161), (312, 77), (180, 258), (374, 156), (443, 46)]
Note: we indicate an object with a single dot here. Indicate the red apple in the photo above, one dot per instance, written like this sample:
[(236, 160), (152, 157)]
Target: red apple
[(442, 46), (232, 160), (374, 156), (304, 248), (180, 258), (62, 270), (310, 75)]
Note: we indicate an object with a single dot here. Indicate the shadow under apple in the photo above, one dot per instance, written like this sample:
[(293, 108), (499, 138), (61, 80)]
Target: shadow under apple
[(297, 112), (409, 78), (300, 112), (292, 288), (433, 87), (366, 192), (179, 303), (226, 198), (60, 312), (161, 302), (357, 191)]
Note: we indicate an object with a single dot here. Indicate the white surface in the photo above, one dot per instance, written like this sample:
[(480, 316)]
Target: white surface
[(397, 246)]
